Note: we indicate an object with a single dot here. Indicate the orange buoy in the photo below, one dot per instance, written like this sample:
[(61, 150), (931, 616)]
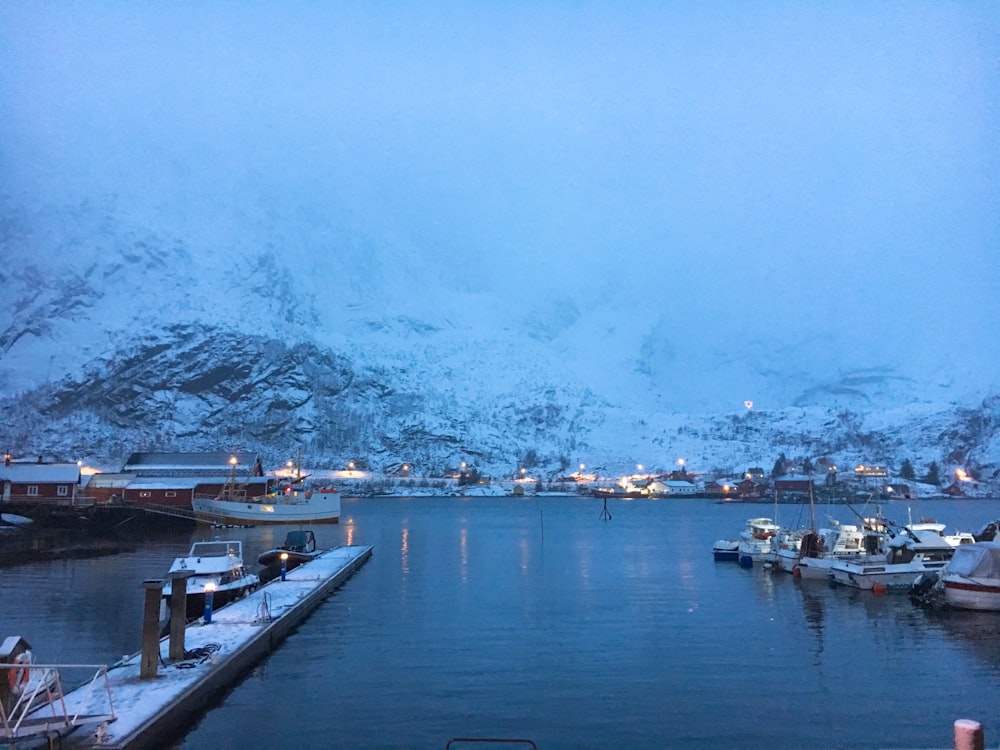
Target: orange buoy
[(880, 589), (796, 573)]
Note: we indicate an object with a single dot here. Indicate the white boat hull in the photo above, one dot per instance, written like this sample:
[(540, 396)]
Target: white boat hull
[(892, 577), (304, 507)]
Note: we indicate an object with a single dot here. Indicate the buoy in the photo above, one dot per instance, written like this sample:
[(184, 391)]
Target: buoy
[(880, 589), (18, 678), (796, 573)]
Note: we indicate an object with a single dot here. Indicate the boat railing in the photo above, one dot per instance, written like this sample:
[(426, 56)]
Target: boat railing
[(40, 707)]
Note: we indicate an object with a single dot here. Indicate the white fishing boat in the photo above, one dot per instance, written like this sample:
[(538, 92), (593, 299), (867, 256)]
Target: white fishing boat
[(290, 501), (287, 505), (755, 541), (215, 566), (971, 579), (910, 553)]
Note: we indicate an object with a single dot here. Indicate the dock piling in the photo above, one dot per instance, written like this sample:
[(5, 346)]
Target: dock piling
[(150, 659), (969, 735), (178, 612)]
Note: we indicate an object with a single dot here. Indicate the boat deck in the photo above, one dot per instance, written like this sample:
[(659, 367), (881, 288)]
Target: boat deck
[(216, 654)]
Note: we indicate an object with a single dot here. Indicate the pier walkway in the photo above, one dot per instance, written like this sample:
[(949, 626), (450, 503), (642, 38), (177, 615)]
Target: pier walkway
[(147, 711)]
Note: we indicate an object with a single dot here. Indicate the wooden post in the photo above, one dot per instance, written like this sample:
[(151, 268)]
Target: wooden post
[(150, 659), (178, 613), (969, 735)]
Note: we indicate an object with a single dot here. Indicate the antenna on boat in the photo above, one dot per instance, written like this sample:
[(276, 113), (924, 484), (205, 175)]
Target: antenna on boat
[(605, 514)]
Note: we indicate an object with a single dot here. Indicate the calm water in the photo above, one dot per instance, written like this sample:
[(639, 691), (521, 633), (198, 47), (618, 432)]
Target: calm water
[(499, 617)]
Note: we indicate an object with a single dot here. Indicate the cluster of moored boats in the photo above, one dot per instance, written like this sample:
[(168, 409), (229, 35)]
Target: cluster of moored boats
[(959, 570)]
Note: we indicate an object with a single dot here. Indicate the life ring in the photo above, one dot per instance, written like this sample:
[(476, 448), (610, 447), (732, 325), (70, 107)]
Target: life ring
[(18, 678)]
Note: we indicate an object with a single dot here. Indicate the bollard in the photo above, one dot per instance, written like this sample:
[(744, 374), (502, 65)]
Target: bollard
[(284, 565), (178, 612), (209, 594), (150, 660), (969, 735)]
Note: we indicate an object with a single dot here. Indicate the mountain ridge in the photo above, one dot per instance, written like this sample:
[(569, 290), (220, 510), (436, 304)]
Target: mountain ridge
[(123, 333)]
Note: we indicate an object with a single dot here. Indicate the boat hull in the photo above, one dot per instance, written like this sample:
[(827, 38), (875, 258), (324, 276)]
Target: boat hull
[(725, 551), (315, 507), (964, 594), (195, 605), (892, 577)]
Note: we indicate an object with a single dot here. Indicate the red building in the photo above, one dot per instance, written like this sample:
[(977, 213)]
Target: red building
[(30, 483)]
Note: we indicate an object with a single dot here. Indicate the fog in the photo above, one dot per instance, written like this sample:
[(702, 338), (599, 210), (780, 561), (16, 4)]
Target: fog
[(734, 169)]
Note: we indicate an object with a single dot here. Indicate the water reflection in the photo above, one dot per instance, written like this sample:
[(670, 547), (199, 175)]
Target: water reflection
[(463, 547), (814, 609), (404, 550)]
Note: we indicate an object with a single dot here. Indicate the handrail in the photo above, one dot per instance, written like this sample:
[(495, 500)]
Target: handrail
[(27, 716)]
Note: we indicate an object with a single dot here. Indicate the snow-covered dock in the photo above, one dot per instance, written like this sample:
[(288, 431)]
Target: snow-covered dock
[(148, 710)]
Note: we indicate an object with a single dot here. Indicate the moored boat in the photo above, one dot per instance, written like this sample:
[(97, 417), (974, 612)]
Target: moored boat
[(755, 541), (971, 579), (299, 547), (287, 505), (910, 553), (839, 542), (215, 566), (725, 550)]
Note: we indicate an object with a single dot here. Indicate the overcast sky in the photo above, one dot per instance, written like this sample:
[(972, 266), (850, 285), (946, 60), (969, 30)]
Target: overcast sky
[(810, 158)]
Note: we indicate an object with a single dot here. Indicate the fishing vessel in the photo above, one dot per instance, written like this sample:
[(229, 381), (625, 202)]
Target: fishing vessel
[(289, 501)]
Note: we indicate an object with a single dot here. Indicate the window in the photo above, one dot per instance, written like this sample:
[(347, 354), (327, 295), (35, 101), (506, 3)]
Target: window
[(170, 493), (32, 490), (145, 493), (62, 490)]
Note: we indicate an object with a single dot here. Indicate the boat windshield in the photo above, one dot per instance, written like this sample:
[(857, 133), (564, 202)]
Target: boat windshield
[(215, 549)]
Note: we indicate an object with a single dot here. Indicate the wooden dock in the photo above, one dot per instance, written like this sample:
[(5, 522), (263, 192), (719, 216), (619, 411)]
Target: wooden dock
[(149, 711)]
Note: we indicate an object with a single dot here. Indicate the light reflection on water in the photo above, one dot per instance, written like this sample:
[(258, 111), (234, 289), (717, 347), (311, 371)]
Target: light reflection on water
[(591, 633)]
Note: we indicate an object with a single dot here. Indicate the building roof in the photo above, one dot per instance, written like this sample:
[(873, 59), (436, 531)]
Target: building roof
[(40, 473), (184, 483), (146, 464), (109, 480)]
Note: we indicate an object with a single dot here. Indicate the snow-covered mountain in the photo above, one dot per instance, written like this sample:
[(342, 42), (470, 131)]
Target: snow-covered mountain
[(276, 326)]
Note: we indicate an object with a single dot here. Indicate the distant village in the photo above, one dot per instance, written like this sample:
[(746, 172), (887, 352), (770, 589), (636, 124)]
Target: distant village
[(169, 479)]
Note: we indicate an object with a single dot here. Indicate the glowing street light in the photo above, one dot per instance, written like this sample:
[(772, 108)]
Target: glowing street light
[(284, 565)]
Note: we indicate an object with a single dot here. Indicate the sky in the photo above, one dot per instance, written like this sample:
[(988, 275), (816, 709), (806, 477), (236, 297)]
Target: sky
[(731, 170)]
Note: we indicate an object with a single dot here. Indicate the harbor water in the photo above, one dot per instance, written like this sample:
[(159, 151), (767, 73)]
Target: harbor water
[(536, 618)]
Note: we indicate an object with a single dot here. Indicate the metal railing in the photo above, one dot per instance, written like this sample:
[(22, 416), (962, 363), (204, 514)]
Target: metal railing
[(39, 704)]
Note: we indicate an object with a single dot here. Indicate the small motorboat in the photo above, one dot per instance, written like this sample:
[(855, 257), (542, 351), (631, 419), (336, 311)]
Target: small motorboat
[(215, 566), (725, 550), (299, 548), (755, 542), (971, 579)]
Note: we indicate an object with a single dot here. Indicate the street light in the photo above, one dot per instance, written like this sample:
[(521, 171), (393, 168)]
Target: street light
[(284, 565)]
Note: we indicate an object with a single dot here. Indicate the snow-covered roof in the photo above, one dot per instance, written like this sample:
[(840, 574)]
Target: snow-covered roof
[(108, 480), (213, 461), (161, 483), (40, 473)]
